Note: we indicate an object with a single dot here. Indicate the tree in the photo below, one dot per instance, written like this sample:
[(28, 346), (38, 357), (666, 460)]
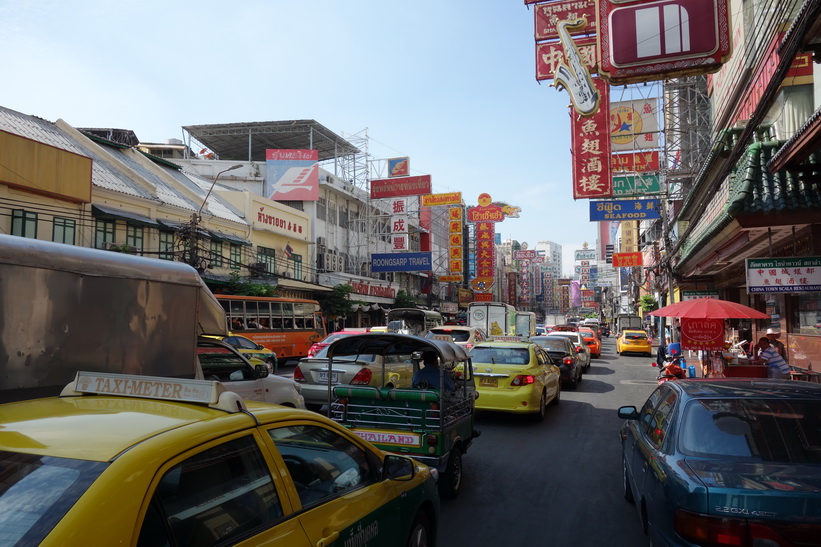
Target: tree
[(648, 303), (248, 288), (404, 300), (337, 303)]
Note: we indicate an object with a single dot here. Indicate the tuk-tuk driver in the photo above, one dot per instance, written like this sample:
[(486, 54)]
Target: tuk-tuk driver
[(429, 372)]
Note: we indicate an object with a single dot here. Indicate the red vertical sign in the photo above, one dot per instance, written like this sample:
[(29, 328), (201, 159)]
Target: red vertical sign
[(590, 138)]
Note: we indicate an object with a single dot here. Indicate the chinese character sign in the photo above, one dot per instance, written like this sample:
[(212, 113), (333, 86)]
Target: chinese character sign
[(590, 138), (767, 275)]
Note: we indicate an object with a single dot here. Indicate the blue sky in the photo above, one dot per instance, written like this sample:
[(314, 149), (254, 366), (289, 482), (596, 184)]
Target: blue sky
[(449, 83)]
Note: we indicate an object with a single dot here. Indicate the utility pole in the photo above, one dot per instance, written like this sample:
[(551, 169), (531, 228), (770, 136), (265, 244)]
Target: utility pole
[(190, 233)]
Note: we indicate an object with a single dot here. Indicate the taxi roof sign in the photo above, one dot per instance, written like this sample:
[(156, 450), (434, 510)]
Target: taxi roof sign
[(508, 339), (207, 392)]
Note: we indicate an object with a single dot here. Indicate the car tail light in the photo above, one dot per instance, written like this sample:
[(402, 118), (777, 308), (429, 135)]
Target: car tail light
[(579, 349), (468, 347), (298, 376), (710, 530), (362, 378), (567, 361), (523, 380), (313, 350)]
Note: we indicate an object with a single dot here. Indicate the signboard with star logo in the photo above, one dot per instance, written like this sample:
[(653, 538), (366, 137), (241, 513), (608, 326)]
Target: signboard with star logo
[(634, 125)]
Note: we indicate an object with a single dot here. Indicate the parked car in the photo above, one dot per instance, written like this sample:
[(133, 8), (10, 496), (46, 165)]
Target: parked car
[(592, 340), (633, 341), (325, 342), (467, 337), (249, 378), (357, 370), (250, 349), (726, 462), (185, 462), (517, 377), (564, 355), (580, 344)]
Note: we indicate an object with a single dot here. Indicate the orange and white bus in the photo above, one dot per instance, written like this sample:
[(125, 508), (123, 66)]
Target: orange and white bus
[(286, 326)]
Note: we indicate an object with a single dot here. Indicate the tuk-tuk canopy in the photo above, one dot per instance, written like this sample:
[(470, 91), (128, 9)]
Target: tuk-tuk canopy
[(394, 344)]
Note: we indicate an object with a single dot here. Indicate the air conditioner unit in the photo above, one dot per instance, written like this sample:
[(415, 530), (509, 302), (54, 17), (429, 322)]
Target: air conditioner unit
[(321, 241), (259, 267), (330, 262)]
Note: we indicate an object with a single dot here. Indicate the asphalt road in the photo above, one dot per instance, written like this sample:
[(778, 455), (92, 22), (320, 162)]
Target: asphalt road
[(558, 482)]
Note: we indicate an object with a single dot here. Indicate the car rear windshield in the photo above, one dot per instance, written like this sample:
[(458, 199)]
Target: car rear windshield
[(457, 335), (635, 336), (501, 356), (37, 491), (553, 345), (777, 431), (323, 354)]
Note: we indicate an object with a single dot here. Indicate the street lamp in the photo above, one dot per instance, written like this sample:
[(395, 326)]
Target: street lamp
[(237, 166)]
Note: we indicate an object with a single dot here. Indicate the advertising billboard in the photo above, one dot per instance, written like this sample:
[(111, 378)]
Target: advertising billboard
[(292, 175)]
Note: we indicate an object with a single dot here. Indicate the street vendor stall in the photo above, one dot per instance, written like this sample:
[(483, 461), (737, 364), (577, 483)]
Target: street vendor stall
[(702, 329)]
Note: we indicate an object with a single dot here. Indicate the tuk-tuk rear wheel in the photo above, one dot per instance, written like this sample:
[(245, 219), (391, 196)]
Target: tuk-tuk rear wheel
[(451, 481)]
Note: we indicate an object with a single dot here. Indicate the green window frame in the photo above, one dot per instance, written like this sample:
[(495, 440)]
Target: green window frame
[(235, 256), (268, 257), (135, 236), (297, 266), (24, 223), (104, 232), (64, 230), (216, 254), (166, 245)]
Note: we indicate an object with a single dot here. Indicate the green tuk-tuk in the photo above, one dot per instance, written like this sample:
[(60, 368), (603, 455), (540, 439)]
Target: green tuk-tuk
[(432, 425)]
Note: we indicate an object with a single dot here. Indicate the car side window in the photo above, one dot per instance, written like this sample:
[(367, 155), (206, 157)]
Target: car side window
[(222, 494), (656, 415), (223, 365), (322, 464)]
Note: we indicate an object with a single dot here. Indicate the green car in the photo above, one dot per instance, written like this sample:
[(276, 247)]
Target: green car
[(432, 425), (726, 461)]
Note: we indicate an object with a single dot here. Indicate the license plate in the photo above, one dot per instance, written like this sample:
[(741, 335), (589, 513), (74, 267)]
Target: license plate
[(488, 382), (323, 377)]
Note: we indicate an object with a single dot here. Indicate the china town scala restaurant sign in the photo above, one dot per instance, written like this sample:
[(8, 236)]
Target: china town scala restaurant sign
[(365, 288)]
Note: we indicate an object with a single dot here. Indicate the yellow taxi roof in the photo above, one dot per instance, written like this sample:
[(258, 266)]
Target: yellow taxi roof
[(94, 428)]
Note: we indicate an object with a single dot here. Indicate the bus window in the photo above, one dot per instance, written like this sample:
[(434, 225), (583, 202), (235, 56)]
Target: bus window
[(276, 322), (299, 322), (276, 308), (237, 308)]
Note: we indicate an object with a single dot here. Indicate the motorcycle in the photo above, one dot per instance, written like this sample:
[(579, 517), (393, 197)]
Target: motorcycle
[(671, 369)]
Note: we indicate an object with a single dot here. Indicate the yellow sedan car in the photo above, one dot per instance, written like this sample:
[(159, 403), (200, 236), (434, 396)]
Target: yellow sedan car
[(251, 349), (139, 460), (515, 376), (633, 341)]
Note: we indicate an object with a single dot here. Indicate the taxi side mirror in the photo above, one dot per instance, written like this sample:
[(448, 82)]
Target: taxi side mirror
[(398, 468), (261, 370)]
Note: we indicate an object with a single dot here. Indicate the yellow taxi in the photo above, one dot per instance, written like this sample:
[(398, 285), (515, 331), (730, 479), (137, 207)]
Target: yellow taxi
[(250, 349), (592, 341), (633, 341), (515, 375), (138, 460)]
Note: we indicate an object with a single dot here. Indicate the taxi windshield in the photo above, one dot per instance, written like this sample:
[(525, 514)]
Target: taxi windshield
[(37, 491), (500, 356)]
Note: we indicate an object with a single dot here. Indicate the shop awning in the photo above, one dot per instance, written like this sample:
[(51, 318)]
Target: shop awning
[(228, 238), (301, 285), (109, 213)]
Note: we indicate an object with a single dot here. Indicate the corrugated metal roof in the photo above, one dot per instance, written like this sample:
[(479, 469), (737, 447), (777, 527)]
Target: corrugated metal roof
[(37, 129), (248, 141)]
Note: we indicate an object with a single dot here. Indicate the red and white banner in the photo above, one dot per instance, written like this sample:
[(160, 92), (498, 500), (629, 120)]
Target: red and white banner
[(635, 162), (702, 334), (550, 54), (400, 186), (543, 15), (652, 40), (590, 138), (292, 175)]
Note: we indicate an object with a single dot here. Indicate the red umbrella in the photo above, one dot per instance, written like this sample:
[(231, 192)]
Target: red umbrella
[(709, 308)]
